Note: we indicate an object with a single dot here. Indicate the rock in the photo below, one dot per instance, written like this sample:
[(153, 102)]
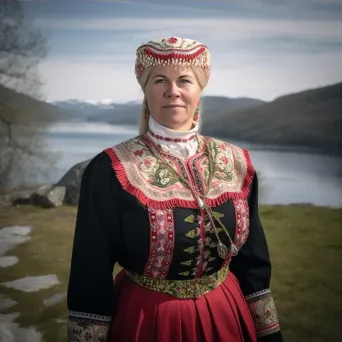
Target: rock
[(23, 195), (33, 284), (65, 191), (54, 197), (72, 182)]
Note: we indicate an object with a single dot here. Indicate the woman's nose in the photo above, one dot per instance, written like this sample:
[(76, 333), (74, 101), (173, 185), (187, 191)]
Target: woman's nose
[(173, 90)]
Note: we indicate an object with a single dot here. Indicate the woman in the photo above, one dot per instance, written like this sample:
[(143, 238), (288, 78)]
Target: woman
[(179, 212)]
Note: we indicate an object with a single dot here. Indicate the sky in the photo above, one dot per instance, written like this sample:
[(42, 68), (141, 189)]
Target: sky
[(259, 48)]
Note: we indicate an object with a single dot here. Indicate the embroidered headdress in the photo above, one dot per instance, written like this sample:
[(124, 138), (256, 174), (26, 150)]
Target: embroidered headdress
[(172, 51)]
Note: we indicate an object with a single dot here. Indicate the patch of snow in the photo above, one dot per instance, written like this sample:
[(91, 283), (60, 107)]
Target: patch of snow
[(55, 299), (17, 230), (7, 261), (33, 284), (10, 237), (11, 332)]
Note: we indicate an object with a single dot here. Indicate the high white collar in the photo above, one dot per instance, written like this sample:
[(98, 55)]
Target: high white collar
[(168, 139)]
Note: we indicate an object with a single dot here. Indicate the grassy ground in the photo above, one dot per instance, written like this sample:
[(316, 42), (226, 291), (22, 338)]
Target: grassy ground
[(304, 242)]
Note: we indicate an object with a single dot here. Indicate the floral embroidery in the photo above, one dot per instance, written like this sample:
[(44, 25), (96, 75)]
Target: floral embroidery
[(188, 288), (146, 177), (264, 313), (139, 153), (172, 40), (161, 243), (242, 222), (225, 160), (85, 327)]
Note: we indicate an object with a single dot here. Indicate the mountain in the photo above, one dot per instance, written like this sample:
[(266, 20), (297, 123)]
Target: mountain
[(310, 118), (213, 106), (129, 113), (25, 108), (85, 109)]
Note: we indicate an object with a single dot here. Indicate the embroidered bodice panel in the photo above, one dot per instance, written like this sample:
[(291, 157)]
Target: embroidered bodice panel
[(182, 243)]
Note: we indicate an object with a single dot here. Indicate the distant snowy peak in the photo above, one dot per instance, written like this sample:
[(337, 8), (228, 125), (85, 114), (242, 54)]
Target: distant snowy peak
[(105, 103)]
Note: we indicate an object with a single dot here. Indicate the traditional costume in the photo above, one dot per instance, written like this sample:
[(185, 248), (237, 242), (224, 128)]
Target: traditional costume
[(179, 212)]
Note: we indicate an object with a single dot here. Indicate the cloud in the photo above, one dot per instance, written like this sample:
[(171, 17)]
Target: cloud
[(94, 81), (255, 57), (88, 81), (223, 28)]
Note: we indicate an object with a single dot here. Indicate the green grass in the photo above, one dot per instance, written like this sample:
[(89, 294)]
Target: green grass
[(305, 247)]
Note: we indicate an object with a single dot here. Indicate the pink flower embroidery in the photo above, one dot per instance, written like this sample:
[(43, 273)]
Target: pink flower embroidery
[(225, 160), (173, 40), (138, 153), (222, 147), (147, 162)]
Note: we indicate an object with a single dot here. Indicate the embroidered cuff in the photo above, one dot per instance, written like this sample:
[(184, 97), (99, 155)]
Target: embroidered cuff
[(264, 313), (86, 327)]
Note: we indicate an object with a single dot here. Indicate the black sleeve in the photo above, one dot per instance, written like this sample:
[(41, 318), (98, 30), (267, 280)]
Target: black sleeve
[(252, 267), (90, 296)]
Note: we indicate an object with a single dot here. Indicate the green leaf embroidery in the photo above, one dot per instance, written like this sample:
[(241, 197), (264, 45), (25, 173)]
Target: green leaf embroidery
[(190, 219), (192, 233), (217, 214), (190, 250), (187, 263)]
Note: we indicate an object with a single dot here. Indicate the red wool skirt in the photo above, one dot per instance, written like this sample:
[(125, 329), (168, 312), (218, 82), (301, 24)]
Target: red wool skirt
[(144, 315)]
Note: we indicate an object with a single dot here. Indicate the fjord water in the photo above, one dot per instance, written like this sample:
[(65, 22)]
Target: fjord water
[(286, 177)]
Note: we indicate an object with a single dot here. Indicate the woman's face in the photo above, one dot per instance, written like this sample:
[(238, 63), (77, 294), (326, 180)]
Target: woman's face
[(172, 96)]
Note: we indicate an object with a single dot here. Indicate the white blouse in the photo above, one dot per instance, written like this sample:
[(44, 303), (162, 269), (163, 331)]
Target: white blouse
[(181, 143)]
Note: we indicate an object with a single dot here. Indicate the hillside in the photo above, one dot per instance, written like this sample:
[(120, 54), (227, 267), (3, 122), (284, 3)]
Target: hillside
[(27, 109), (310, 118), (129, 113)]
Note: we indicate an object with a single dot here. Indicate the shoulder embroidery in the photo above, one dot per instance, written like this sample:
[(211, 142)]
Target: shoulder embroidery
[(146, 178)]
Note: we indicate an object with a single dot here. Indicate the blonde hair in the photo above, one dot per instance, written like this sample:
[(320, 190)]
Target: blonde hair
[(200, 77)]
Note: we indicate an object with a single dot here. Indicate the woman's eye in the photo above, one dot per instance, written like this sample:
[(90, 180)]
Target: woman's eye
[(160, 80), (185, 81)]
